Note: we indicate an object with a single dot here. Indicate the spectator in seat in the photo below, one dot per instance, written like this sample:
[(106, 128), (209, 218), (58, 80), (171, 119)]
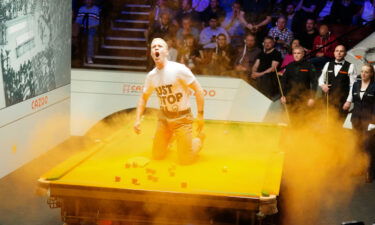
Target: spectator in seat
[(161, 28), (222, 57), (258, 16), (172, 51), (88, 18), (208, 35), (289, 57), (160, 9), (186, 29), (263, 72), (234, 23), (305, 9), (324, 52), (307, 36), (282, 35), (246, 57), (213, 10), (291, 22), (189, 53), (343, 12), (187, 10)]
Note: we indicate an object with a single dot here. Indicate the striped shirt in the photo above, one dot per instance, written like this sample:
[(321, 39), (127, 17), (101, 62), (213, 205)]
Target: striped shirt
[(88, 17)]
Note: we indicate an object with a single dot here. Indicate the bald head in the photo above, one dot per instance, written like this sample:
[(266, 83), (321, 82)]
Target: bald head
[(159, 41)]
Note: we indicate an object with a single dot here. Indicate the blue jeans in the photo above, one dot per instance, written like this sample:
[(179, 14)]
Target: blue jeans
[(91, 32)]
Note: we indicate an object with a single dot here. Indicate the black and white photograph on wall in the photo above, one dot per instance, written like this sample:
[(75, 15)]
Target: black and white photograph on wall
[(34, 57)]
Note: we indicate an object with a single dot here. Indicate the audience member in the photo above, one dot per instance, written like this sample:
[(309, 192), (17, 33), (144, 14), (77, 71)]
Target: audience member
[(306, 9), (291, 22), (88, 18), (222, 57), (344, 10), (172, 51), (186, 29), (336, 79), (234, 23), (322, 49), (208, 35), (189, 54), (161, 28), (213, 10), (289, 57), (161, 8), (258, 16), (263, 71), (200, 5), (246, 56), (363, 114), (282, 35), (307, 36), (299, 84), (187, 11)]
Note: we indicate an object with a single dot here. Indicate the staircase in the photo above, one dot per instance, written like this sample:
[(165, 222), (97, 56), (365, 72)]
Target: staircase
[(124, 46)]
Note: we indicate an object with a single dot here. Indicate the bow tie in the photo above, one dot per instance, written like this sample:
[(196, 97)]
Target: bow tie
[(339, 63)]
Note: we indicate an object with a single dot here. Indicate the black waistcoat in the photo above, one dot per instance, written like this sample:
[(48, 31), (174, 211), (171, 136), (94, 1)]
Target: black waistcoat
[(340, 84)]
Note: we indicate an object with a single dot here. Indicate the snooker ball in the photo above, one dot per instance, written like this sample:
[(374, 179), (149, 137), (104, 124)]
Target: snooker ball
[(171, 174), (155, 179), (135, 165), (224, 169), (135, 181), (150, 177), (226, 131), (117, 179), (184, 184), (127, 165)]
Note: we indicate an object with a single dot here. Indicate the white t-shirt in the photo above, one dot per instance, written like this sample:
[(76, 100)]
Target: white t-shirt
[(171, 85)]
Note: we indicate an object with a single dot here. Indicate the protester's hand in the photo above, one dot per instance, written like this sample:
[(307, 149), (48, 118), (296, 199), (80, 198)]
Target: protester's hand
[(346, 106), (325, 88), (137, 127), (310, 102), (283, 100), (200, 123)]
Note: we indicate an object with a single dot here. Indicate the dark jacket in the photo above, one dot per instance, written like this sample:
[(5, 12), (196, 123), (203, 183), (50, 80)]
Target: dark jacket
[(364, 109), (299, 81)]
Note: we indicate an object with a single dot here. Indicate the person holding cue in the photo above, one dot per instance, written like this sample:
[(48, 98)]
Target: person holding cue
[(299, 85), (174, 83)]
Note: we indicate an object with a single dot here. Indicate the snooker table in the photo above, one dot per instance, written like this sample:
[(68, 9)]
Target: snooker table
[(116, 182)]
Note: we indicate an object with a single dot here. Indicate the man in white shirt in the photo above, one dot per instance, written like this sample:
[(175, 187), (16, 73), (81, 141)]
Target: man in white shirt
[(336, 80), (173, 83), (208, 35)]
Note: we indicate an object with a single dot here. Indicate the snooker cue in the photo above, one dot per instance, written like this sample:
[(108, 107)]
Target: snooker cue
[(282, 95), (327, 98)]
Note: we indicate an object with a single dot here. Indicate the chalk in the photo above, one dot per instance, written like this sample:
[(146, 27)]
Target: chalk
[(117, 179)]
